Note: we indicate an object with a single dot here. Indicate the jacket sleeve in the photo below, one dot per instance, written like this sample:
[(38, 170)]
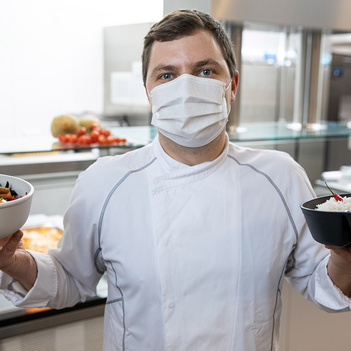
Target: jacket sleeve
[(71, 272), (307, 265)]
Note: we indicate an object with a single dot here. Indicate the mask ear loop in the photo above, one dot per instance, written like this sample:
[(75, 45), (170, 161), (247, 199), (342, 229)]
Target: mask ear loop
[(225, 89), (150, 96)]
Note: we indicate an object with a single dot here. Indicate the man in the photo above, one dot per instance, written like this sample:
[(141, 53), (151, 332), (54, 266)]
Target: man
[(195, 233)]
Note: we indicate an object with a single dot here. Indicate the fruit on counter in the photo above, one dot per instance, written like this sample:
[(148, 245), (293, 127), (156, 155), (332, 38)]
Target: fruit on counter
[(64, 124), (110, 140), (97, 136), (81, 131), (94, 136), (88, 121), (102, 140)]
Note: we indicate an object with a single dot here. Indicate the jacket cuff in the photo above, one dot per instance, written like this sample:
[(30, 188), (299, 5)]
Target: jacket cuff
[(326, 292), (44, 289)]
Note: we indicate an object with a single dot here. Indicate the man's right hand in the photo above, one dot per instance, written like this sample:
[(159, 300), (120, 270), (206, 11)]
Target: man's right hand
[(16, 261)]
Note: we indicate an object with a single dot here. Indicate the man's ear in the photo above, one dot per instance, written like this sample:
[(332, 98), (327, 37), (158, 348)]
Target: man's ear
[(149, 99), (235, 82)]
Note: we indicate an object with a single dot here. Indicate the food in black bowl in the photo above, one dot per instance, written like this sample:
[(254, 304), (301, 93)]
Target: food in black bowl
[(329, 219)]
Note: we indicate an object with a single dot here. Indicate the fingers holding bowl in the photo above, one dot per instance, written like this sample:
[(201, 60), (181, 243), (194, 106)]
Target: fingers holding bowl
[(8, 247)]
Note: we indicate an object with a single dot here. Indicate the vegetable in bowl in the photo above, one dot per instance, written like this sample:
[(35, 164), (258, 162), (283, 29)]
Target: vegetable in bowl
[(15, 211), (8, 194)]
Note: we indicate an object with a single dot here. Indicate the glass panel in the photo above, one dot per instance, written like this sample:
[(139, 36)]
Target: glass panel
[(135, 137), (324, 76), (339, 94), (268, 74), (142, 135)]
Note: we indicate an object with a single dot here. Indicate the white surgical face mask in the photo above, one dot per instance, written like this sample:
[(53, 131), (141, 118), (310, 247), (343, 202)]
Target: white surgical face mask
[(191, 111)]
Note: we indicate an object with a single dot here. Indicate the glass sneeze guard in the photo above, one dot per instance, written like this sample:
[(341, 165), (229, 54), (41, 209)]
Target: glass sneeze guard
[(142, 135)]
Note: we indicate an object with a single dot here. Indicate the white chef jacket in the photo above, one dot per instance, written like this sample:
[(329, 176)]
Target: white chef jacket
[(195, 256)]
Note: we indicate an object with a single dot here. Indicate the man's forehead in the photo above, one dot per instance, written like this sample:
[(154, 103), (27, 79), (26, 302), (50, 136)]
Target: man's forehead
[(204, 33)]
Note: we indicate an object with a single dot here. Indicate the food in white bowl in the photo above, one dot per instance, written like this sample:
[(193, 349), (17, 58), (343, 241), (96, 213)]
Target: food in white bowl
[(15, 211), (8, 194)]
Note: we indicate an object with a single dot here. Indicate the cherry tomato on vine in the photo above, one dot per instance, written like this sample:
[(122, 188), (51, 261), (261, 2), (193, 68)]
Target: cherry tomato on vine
[(95, 136), (110, 140), (102, 140), (66, 138), (105, 132), (84, 140), (73, 138), (81, 131)]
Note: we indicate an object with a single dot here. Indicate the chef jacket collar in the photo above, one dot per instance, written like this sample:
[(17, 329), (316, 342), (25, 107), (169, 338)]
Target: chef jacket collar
[(171, 165)]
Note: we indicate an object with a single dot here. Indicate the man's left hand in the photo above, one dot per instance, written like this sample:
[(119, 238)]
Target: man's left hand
[(339, 268)]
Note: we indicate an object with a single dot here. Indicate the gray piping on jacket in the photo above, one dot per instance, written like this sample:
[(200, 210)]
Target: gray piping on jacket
[(96, 255), (123, 312), (114, 300), (98, 250), (284, 203), (294, 228), (275, 305)]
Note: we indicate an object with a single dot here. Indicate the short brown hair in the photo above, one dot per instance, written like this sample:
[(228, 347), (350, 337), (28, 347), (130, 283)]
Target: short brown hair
[(182, 23)]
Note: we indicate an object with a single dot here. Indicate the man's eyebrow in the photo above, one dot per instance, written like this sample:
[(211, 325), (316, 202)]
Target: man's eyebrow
[(162, 68), (205, 63)]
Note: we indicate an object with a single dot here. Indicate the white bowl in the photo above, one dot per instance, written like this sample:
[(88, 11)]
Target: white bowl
[(14, 214)]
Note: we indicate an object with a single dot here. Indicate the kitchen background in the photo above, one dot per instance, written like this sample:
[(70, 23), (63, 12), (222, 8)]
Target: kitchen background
[(51, 56), (81, 56)]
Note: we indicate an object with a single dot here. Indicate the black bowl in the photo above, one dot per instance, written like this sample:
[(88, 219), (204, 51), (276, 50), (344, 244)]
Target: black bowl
[(328, 227)]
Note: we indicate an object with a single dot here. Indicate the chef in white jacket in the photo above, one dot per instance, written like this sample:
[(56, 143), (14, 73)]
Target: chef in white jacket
[(195, 233)]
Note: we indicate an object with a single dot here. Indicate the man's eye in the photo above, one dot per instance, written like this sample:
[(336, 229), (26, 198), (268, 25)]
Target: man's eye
[(205, 72), (166, 76)]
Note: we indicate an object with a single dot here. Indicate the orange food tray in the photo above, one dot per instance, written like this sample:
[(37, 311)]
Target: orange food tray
[(41, 238)]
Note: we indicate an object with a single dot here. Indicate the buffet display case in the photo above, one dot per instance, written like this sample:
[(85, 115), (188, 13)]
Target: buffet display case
[(139, 136)]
